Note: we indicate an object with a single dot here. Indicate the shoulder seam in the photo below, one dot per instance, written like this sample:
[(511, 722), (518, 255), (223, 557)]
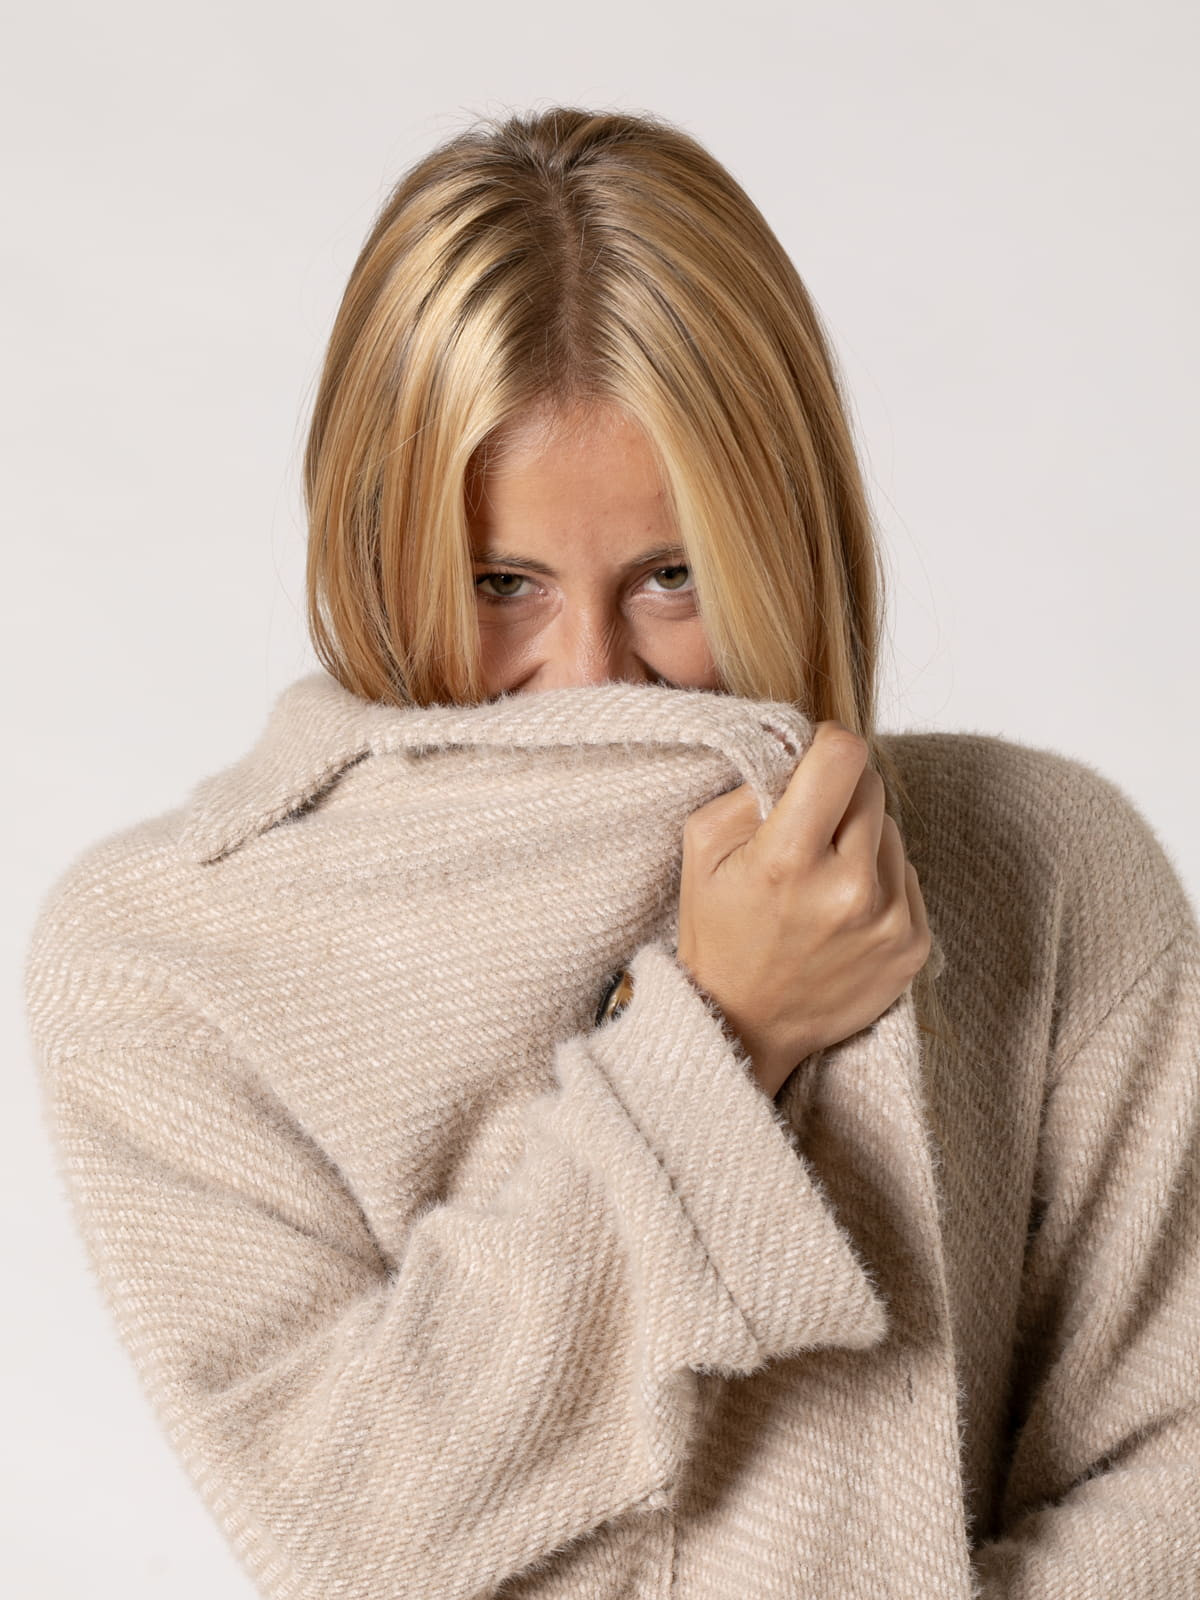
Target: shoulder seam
[(1056, 1073)]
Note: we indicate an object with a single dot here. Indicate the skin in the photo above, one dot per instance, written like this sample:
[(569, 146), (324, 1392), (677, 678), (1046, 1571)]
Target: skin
[(801, 929), (581, 495)]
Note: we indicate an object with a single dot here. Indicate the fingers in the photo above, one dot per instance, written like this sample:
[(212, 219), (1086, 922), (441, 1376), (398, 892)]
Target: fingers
[(870, 847), (916, 906), (905, 904), (892, 866), (715, 829), (833, 801), (802, 824), (858, 836)]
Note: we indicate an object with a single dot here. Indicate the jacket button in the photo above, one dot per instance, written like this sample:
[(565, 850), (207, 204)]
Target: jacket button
[(616, 997)]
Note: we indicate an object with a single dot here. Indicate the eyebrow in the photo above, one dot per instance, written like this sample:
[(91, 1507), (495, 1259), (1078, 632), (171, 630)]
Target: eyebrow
[(502, 558)]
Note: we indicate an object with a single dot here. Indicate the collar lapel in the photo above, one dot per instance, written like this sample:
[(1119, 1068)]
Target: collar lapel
[(315, 730)]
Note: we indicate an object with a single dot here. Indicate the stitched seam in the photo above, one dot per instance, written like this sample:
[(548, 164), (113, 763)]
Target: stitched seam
[(1056, 1072)]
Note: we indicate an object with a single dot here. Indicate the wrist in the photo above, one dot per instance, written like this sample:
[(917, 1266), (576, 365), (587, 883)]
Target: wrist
[(715, 1008)]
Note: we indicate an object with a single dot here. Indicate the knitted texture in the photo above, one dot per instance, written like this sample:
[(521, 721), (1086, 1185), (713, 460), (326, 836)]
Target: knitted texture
[(440, 1291)]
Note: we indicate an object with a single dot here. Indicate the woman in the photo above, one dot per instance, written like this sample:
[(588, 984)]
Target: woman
[(526, 1128)]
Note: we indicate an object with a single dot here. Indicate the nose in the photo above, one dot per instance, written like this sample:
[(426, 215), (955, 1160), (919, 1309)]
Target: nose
[(588, 646)]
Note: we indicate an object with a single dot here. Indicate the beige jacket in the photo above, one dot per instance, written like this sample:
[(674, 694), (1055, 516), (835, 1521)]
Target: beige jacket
[(440, 1291)]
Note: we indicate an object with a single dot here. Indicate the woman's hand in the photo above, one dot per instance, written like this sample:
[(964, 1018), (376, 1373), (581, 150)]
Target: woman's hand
[(804, 928)]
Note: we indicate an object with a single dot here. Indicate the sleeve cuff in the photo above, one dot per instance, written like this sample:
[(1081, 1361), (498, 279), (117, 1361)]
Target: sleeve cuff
[(734, 1166)]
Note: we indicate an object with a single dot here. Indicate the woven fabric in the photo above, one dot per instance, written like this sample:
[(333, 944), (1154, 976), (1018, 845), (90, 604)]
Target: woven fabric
[(440, 1290)]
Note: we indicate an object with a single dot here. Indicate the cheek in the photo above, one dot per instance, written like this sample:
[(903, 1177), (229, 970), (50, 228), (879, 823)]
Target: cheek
[(506, 646), (675, 647), (679, 651)]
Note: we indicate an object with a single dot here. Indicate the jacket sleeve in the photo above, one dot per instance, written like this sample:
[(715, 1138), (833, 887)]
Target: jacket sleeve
[(522, 1374), (1103, 1489)]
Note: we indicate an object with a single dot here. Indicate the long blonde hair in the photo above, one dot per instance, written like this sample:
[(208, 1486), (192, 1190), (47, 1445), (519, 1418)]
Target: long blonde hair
[(569, 256)]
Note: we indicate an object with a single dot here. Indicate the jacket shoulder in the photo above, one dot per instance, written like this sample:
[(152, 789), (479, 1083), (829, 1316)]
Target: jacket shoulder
[(1042, 864), (115, 908), (100, 888), (149, 878)]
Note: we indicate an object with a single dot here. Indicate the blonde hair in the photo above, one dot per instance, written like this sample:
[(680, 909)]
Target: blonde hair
[(570, 257)]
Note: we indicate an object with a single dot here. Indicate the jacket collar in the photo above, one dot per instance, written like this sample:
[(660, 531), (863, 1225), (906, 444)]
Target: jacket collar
[(317, 729)]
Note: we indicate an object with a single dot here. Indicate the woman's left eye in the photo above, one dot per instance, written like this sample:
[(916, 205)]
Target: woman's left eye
[(661, 570)]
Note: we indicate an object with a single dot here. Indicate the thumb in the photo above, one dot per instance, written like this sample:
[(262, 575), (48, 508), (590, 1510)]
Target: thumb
[(726, 821)]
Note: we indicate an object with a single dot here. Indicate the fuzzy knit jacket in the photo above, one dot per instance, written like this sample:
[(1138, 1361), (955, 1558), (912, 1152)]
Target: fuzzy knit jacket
[(443, 1292)]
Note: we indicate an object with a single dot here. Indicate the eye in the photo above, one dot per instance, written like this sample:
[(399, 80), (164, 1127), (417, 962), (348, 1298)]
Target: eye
[(509, 577), (673, 589), (515, 578)]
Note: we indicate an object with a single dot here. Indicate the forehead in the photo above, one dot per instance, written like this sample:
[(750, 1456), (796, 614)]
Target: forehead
[(559, 431), (582, 469)]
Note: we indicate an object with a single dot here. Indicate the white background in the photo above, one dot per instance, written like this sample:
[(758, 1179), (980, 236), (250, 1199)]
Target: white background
[(994, 208)]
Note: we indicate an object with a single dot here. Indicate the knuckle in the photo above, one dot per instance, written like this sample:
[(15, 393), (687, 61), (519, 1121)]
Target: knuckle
[(922, 936), (916, 959), (838, 737), (777, 870), (896, 926), (911, 942), (856, 896)]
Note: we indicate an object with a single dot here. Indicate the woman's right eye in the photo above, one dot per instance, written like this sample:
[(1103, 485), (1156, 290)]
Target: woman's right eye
[(486, 577)]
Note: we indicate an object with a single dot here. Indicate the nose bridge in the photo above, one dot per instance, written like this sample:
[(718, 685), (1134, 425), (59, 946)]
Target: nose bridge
[(588, 641)]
